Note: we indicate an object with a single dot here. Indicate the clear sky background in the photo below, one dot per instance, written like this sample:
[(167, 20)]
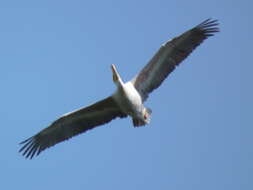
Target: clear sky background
[(55, 57)]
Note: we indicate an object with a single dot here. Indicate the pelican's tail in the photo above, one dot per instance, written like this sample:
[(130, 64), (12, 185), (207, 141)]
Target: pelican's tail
[(140, 122)]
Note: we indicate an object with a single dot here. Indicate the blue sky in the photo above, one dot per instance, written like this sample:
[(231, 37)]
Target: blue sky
[(55, 57)]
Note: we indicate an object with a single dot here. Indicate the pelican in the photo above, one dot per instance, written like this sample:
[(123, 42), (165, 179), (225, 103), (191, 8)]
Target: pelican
[(128, 98)]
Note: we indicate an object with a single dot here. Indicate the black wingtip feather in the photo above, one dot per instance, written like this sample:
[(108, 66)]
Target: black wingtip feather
[(209, 27), (29, 148), (23, 147), (23, 142)]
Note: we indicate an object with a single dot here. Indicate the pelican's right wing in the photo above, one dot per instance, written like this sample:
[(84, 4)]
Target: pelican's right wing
[(170, 55), (72, 124)]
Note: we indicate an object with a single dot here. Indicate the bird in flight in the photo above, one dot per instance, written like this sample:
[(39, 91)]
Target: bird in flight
[(128, 98)]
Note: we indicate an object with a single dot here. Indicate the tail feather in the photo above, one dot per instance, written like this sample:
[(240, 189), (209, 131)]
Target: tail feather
[(140, 122)]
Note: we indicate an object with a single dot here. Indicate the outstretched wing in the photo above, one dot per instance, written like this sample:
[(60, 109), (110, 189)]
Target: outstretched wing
[(72, 124), (170, 55)]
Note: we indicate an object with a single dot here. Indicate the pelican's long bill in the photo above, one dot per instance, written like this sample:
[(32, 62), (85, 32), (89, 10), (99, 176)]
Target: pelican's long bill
[(128, 98), (115, 75)]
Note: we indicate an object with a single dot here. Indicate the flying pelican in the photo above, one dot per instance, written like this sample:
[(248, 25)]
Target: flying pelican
[(129, 97)]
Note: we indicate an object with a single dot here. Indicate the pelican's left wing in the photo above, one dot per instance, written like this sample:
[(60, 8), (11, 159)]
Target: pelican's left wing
[(72, 124), (170, 55)]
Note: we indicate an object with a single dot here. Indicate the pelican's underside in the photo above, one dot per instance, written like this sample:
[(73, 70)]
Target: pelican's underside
[(130, 103)]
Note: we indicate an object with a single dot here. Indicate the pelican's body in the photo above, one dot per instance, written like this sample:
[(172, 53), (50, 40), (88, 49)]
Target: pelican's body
[(128, 98), (130, 102)]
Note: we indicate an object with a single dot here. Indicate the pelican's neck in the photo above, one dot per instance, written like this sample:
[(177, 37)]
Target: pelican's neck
[(116, 77)]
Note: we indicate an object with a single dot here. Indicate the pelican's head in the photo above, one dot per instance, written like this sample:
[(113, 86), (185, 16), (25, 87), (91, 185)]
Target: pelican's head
[(115, 76)]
